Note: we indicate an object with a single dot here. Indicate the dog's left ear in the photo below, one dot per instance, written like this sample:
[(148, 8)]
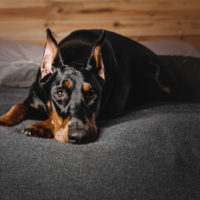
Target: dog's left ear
[(97, 56), (50, 53)]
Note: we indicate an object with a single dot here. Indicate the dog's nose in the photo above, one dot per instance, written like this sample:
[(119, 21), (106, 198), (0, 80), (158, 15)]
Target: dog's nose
[(78, 136)]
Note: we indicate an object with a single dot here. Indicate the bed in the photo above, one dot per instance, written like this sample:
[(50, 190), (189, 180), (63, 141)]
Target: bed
[(152, 152)]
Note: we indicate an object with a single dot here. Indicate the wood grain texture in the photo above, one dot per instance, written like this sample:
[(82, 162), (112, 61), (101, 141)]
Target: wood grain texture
[(139, 19)]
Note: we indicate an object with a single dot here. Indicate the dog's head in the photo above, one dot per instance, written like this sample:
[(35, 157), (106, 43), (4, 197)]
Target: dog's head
[(73, 89)]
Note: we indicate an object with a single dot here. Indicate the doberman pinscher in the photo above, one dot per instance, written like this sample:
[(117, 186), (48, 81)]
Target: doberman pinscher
[(90, 75)]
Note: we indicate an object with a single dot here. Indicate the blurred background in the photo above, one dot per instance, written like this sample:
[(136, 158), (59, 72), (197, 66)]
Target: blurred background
[(142, 20)]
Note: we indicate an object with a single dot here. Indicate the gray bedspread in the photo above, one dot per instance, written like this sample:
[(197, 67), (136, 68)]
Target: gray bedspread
[(152, 152)]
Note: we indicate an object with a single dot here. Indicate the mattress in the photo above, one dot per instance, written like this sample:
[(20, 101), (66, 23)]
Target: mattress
[(151, 152)]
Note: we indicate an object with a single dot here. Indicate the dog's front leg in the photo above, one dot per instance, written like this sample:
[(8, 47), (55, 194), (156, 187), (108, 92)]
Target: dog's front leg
[(15, 115), (42, 129)]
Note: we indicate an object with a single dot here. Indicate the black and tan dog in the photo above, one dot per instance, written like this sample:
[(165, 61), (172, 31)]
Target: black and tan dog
[(94, 74)]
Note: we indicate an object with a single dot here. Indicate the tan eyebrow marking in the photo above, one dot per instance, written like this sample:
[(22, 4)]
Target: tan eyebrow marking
[(68, 84), (86, 87)]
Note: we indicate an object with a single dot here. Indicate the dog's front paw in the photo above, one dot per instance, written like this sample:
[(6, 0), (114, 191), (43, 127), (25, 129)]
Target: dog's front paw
[(37, 132), (4, 121), (29, 132)]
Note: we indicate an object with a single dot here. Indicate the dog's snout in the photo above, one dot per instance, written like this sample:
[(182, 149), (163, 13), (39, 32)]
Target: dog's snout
[(75, 123), (78, 136)]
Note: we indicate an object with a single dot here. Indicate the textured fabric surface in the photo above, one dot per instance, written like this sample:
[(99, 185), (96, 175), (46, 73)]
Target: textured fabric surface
[(18, 73), (152, 152)]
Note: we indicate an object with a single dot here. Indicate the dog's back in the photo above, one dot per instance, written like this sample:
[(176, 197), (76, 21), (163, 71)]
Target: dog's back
[(182, 75), (135, 74)]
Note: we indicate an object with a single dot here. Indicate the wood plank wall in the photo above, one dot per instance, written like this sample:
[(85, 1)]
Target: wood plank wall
[(26, 20)]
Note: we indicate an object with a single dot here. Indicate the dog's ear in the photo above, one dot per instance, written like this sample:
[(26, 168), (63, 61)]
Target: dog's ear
[(50, 52), (96, 55)]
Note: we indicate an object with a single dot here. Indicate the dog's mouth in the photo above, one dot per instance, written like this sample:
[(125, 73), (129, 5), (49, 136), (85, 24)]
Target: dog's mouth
[(75, 135), (80, 133), (74, 130)]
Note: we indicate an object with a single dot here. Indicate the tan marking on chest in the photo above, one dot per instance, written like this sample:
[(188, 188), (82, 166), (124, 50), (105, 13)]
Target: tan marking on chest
[(166, 89), (61, 127), (48, 106)]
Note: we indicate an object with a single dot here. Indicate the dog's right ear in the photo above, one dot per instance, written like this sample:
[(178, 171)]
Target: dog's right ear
[(50, 53)]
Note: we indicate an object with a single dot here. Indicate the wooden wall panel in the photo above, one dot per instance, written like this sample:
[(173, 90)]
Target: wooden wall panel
[(26, 20)]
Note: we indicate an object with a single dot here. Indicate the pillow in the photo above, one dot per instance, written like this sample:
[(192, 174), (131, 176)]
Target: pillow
[(17, 51), (19, 63), (18, 73)]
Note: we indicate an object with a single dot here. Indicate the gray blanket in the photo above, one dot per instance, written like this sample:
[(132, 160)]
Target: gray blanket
[(152, 152)]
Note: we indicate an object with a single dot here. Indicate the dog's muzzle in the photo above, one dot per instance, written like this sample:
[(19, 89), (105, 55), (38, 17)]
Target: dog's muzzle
[(77, 134)]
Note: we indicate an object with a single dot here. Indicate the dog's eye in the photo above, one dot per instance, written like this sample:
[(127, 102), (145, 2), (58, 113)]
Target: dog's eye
[(60, 93), (91, 94)]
